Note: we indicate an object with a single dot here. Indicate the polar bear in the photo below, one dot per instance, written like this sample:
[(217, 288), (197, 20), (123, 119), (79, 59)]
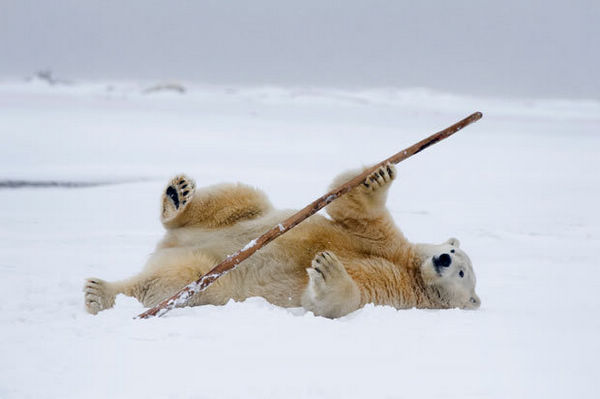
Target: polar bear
[(330, 266)]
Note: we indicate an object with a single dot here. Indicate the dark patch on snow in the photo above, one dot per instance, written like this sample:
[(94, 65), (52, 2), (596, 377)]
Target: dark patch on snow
[(13, 184)]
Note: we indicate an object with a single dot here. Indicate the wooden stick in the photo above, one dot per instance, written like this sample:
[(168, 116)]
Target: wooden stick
[(231, 262)]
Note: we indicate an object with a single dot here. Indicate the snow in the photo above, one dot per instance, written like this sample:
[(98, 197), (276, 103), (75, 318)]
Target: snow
[(520, 189), (251, 244)]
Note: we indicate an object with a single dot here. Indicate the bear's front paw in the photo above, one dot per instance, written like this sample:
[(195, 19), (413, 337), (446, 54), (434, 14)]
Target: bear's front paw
[(331, 292), (382, 176), (325, 267)]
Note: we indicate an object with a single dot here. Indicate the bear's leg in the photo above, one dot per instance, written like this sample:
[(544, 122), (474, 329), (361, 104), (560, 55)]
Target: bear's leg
[(167, 272), (331, 292), (365, 202), (175, 200), (363, 213), (99, 295), (212, 207)]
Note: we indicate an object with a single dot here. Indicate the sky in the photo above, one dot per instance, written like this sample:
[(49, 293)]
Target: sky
[(509, 48)]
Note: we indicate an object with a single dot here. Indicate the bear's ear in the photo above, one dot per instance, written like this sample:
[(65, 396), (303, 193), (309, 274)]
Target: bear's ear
[(454, 242)]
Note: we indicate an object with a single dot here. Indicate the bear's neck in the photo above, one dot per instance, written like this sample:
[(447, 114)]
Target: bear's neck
[(425, 296), (396, 282), (434, 297)]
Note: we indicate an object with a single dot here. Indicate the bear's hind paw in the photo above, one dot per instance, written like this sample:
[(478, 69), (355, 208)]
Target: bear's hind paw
[(98, 295), (176, 196)]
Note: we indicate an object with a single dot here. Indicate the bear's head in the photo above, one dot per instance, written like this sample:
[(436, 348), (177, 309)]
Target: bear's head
[(448, 273)]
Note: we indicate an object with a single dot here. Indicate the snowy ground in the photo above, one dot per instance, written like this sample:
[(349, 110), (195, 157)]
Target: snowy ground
[(520, 189)]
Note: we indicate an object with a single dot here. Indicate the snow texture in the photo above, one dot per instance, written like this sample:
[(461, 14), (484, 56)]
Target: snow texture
[(520, 188)]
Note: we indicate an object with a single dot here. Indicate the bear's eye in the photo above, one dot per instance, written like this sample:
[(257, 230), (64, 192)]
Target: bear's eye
[(452, 250), (461, 274)]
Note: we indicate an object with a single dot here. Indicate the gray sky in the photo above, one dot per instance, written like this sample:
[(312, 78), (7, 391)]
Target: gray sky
[(530, 48)]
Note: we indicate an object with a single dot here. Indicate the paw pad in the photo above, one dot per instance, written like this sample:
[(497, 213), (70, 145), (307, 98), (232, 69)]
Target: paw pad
[(325, 265), (177, 194), (180, 190), (382, 176)]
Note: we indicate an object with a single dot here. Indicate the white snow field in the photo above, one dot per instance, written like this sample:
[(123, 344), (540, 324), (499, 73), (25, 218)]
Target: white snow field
[(520, 189)]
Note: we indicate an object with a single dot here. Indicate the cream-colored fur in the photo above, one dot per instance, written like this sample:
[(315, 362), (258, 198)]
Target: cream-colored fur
[(330, 266)]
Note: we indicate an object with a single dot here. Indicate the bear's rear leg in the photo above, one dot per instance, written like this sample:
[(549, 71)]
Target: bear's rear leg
[(99, 295), (176, 199), (211, 207), (167, 272)]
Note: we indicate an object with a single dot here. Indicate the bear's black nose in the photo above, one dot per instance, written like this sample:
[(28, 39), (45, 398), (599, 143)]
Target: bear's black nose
[(443, 260)]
